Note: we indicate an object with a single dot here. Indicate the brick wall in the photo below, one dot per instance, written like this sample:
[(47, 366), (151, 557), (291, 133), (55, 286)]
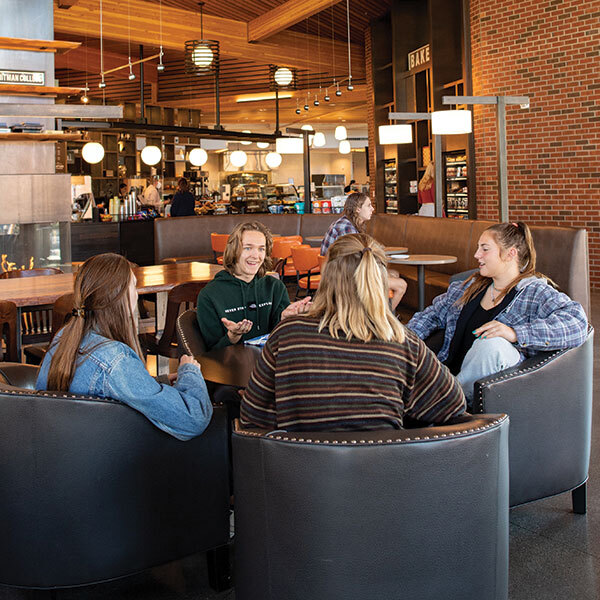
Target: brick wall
[(547, 50)]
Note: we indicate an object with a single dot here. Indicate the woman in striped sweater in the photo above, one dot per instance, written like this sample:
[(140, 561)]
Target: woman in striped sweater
[(348, 363)]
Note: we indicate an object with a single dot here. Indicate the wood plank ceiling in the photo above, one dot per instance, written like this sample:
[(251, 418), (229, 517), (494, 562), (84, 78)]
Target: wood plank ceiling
[(316, 46)]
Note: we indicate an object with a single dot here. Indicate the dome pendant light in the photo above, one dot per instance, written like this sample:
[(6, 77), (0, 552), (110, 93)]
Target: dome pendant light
[(340, 133), (327, 98), (316, 102), (338, 92)]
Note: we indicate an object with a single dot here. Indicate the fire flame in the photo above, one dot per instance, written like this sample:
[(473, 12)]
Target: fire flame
[(6, 265)]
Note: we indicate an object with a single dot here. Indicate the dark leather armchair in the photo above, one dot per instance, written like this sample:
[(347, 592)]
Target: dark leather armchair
[(549, 401), (91, 490), (188, 333), (414, 513)]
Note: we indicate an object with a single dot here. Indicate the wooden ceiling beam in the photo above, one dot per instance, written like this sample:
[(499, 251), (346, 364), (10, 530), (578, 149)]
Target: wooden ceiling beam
[(88, 59), (287, 48), (284, 16)]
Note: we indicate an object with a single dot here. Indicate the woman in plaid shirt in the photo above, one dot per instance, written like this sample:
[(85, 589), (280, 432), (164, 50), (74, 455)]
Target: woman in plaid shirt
[(357, 211), (502, 314)]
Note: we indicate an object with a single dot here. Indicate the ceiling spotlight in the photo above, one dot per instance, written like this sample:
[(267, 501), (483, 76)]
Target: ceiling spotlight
[(338, 92), (327, 98), (160, 67), (350, 87), (85, 99), (316, 102), (102, 85), (131, 75), (306, 107), (298, 111)]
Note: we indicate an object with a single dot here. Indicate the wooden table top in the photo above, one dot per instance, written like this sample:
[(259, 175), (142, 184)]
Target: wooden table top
[(424, 259), (45, 289), (314, 238), (396, 249), (232, 365)]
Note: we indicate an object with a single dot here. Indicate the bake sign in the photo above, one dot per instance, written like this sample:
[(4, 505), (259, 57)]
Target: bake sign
[(417, 59), (23, 77)]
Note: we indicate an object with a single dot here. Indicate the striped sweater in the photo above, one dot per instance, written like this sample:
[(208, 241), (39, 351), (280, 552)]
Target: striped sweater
[(305, 380)]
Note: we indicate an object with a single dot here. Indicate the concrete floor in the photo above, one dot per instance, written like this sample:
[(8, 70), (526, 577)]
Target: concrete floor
[(554, 554)]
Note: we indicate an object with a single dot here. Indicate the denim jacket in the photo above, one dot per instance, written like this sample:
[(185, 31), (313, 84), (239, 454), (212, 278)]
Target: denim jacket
[(542, 318), (110, 369)]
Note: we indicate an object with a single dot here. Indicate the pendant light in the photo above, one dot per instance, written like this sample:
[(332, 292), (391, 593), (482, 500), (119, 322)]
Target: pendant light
[(350, 87), (131, 73), (289, 145), (151, 155), (198, 157), (283, 76), (340, 133), (201, 56), (246, 142), (451, 122), (326, 97), (395, 134), (160, 67), (273, 160), (344, 147), (263, 145), (92, 152), (298, 111), (338, 92), (238, 158), (102, 83), (319, 139)]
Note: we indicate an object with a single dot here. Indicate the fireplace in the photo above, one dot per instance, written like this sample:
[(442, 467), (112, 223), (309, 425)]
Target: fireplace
[(35, 246)]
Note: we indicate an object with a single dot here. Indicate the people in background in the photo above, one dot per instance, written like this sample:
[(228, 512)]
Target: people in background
[(123, 191), (97, 354), (183, 203), (357, 211), (151, 196), (348, 363), (426, 192), (242, 301), (348, 188), (503, 313)]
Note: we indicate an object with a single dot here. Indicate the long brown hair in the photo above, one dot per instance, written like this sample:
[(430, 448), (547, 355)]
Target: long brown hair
[(507, 236), (353, 204), (233, 248), (353, 293), (102, 305)]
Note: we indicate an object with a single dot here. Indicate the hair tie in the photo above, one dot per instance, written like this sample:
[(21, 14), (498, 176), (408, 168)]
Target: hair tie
[(515, 224), (78, 312), (362, 252)]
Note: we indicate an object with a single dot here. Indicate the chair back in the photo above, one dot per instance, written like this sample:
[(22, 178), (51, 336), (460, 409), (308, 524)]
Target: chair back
[(377, 514), (61, 311), (218, 241), (189, 335), (305, 258), (29, 273), (117, 495), (8, 329), (282, 247)]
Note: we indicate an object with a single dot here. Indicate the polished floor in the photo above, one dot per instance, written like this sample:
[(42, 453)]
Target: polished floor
[(554, 554)]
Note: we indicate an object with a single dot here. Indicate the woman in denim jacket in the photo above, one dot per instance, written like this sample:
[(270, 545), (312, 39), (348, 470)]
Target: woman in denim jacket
[(97, 354), (502, 314)]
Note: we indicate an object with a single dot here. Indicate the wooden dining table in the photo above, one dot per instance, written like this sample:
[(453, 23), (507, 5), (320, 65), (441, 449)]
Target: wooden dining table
[(159, 279), (231, 365)]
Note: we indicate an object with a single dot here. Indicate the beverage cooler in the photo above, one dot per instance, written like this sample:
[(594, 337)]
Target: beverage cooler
[(456, 191)]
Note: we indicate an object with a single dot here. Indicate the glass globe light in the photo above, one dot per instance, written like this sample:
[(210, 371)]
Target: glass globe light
[(92, 152), (273, 160), (283, 76), (151, 155), (198, 156), (202, 56), (238, 158)]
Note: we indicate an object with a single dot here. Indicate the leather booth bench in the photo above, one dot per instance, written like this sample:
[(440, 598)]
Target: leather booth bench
[(562, 252)]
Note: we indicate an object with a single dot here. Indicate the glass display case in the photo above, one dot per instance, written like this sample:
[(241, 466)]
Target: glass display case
[(456, 190), (327, 186), (281, 198), (390, 186), (247, 192)]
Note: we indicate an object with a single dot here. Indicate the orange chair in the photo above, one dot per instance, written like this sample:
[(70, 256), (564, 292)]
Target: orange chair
[(306, 261), (218, 241), (281, 252), (322, 261)]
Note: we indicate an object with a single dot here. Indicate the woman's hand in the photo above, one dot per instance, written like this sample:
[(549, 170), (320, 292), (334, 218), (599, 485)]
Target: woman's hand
[(235, 331), (297, 308), (496, 329), (186, 359)]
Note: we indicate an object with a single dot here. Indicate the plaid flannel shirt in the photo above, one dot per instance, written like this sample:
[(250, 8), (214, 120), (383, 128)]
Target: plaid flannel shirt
[(343, 226), (542, 317)]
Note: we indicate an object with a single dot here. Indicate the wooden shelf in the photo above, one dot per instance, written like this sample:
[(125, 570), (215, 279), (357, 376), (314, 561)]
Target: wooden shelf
[(41, 137), (12, 89), (57, 46)]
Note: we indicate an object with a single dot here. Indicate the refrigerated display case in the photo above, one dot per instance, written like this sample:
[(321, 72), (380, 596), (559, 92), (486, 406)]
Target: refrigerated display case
[(456, 191), (281, 198), (390, 186)]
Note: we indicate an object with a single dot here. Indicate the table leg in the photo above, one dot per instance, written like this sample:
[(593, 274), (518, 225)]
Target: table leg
[(421, 278), (162, 362)]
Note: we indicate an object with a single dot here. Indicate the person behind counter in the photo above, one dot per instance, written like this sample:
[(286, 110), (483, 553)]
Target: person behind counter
[(123, 191), (348, 363), (183, 202), (242, 301), (97, 354), (151, 196), (348, 188), (426, 192), (358, 209), (504, 313)]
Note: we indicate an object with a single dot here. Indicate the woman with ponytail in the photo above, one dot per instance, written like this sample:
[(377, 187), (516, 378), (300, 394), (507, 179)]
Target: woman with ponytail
[(348, 363), (97, 354), (502, 314)]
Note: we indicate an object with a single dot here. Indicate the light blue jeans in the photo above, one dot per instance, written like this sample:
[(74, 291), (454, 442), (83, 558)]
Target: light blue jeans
[(486, 356)]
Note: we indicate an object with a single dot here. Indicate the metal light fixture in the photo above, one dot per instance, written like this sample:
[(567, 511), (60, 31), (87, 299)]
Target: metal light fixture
[(151, 155), (338, 92), (201, 56), (245, 142), (273, 160), (319, 139), (289, 145), (160, 67), (238, 158), (344, 147), (350, 87), (306, 107), (92, 152), (298, 111), (263, 145), (395, 134), (449, 122), (340, 133), (326, 97), (131, 73), (198, 156), (316, 102)]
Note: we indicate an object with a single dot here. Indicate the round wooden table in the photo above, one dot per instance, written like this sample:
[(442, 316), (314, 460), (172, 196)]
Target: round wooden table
[(421, 260), (232, 365), (396, 250)]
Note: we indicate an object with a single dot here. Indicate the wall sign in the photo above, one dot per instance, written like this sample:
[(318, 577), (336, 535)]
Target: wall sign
[(23, 77), (419, 59)]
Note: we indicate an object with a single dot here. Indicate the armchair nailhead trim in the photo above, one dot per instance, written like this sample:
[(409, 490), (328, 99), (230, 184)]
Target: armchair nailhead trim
[(284, 438)]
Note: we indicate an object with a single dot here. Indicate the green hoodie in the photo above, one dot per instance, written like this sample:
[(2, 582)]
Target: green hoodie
[(261, 301)]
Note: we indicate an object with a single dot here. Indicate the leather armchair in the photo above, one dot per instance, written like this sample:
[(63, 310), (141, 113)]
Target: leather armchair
[(92, 491), (188, 333), (414, 513), (549, 401)]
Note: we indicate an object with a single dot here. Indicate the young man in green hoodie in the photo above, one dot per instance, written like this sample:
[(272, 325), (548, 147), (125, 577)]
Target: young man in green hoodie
[(242, 302)]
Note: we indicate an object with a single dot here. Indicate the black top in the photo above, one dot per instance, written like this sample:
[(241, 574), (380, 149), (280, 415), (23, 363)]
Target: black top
[(183, 205), (472, 316)]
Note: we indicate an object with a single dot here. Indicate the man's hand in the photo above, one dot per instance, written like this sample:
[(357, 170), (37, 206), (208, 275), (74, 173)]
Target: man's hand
[(496, 329), (297, 308), (235, 331)]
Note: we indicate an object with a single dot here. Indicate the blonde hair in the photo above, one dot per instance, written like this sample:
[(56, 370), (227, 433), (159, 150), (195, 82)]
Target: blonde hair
[(353, 293), (507, 235), (233, 248), (428, 177), (101, 304)]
